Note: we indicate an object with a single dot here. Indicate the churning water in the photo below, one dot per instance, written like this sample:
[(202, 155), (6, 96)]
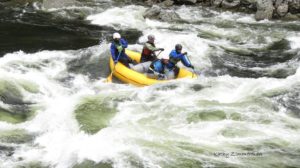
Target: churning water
[(56, 111)]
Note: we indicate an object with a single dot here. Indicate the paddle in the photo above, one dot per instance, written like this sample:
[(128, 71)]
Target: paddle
[(192, 68), (158, 53), (109, 78)]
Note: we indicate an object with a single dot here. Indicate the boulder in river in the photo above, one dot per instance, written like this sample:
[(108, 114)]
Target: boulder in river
[(57, 3), (217, 3), (294, 6), (282, 9), (264, 9), (186, 1), (229, 4), (156, 12)]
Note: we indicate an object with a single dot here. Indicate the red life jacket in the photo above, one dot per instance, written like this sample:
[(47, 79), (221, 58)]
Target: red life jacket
[(146, 52)]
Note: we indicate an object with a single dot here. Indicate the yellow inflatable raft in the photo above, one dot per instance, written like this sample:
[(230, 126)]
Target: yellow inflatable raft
[(128, 75)]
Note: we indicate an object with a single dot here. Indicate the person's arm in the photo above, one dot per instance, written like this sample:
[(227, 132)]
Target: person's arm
[(124, 43), (113, 51), (185, 61), (175, 55), (150, 47)]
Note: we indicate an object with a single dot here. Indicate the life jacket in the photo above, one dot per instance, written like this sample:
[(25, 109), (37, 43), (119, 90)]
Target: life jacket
[(117, 44), (157, 66), (174, 60), (146, 52)]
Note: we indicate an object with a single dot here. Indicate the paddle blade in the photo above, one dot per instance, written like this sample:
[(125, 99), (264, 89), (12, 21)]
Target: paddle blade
[(109, 78)]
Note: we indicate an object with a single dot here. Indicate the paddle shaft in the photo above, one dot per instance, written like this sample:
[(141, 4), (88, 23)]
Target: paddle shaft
[(192, 68), (114, 66), (158, 53)]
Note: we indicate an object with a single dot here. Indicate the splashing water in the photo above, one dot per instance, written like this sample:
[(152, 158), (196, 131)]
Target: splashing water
[(242, 111)]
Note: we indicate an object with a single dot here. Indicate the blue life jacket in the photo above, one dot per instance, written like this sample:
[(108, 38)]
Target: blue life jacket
[(157, 66), (175, 57), (114, 51)]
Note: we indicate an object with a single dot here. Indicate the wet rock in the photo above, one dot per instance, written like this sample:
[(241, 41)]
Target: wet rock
[(282, 9), (153, 2), (18, 3), (169, 16), (156, 12), (278, 2), (248, 2), (290, 16), (149, 2), (153, 12), (57, 3), (264, 9), (248, 5), (186, 1), (166, 3), (229, 4), (217, 3), (294, 6), (171, 2)]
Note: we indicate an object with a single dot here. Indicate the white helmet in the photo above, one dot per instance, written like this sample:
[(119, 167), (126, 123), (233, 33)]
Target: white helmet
[(116, 36)]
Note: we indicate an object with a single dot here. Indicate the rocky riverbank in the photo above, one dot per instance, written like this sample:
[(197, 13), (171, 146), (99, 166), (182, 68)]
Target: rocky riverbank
[(263, 9)]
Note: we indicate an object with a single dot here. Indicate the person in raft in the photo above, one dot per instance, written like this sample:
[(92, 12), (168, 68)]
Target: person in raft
[(117, 50), (174, 57), (148, 52), (157, 69)]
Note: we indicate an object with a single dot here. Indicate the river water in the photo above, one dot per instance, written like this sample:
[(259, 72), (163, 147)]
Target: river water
[(56, 111)]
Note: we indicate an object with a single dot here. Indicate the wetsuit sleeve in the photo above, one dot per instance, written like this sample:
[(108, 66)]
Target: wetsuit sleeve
[(185, 61), (150, 47), (173, 54), (183, 58), (124, 43), (113, 51)]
